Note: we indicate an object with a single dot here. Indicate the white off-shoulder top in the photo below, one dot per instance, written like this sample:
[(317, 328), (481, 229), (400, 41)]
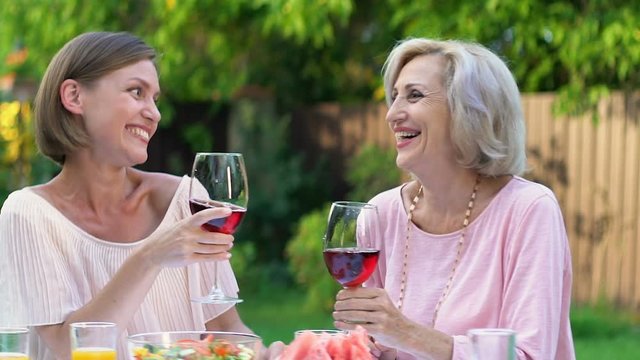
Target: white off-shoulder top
[(49, 267)]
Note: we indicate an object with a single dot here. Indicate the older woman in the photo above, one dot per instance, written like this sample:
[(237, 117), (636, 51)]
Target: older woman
[(468, 243)]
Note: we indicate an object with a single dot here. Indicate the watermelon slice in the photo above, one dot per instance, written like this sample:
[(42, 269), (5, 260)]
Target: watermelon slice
[(310, 346)]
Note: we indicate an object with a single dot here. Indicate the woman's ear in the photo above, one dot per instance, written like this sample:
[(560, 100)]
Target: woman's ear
[(70, 96)]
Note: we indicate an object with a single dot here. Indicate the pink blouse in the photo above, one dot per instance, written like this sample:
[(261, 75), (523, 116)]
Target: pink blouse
[(514, 271)]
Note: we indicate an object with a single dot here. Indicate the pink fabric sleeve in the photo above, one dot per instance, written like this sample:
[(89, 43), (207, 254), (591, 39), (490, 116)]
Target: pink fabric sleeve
[(536, 296)]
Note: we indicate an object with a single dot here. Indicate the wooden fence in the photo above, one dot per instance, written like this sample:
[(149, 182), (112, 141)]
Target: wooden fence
[(594, 169)]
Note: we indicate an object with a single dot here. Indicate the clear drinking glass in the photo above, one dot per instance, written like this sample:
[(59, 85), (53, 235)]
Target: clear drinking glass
[(93, 341), (14, 343), (219, 180), (348, 248), (493, 344)]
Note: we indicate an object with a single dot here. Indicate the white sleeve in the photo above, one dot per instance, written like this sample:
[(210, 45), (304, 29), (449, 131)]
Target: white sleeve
[(36, 284)]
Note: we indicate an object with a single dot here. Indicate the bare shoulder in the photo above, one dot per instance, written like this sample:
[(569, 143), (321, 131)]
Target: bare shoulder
[(161, 187)]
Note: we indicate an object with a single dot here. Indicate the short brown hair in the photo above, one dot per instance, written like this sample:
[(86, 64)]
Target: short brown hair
[(86, 58)]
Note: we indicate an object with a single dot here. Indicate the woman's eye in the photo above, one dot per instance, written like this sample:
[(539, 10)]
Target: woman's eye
[(415, 95), (136, 91)]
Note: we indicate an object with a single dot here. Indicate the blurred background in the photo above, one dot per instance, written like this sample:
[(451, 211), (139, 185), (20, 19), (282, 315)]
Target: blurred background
[(295, 85)]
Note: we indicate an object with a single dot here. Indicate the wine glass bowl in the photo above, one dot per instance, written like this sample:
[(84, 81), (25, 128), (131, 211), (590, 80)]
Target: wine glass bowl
[(219, 180), (348, 249), (225, 225)]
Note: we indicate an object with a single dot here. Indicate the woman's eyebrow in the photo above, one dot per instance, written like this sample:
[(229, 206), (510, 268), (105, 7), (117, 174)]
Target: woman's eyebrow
[(145, 83)]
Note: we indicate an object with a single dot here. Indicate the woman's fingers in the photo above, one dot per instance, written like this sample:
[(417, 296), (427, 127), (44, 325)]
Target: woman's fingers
[(273, 352), (202, 217), (354, 317), (358, 304), (201, 248), (359, 292), (215, 239)]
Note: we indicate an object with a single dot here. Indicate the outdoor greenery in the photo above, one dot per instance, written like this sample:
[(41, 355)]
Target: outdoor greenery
[(332, 50), (294, 53), (369, 172), (618, 340), (298, 52)]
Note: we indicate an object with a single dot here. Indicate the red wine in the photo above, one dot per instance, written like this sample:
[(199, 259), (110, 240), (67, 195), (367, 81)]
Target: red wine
[(351, 266), (225, 225)]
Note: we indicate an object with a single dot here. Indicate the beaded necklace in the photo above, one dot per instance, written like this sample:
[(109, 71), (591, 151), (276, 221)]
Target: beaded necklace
[(447, 287)]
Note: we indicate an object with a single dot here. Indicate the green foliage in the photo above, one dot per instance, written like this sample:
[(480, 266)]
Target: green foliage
[(600, 321), (372, 171), (622, 347), (20, 162), (306, 263), (333, 49), (244, 255), (209, 49), (576, 48), (276, 314), (280, 189)]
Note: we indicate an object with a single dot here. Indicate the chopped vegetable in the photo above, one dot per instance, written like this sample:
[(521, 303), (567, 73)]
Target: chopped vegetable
[(188, 349)]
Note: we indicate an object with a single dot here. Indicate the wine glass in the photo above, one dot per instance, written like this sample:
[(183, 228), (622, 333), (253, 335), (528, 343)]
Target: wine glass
[(347, 248), (219, 180)]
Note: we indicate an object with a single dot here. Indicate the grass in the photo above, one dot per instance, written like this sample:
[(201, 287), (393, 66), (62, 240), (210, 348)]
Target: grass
[(620, 347), (278, 314), (599, 332), (602, 333)]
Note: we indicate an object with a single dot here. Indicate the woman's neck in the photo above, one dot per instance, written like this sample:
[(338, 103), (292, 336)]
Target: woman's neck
[(95, 186), (447, 189)]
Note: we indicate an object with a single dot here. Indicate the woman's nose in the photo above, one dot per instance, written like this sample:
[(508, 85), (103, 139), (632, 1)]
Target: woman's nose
[(152, 112), (395, 112)]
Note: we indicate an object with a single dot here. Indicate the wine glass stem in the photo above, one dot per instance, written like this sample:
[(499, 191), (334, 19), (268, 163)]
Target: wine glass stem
[(215, 290)]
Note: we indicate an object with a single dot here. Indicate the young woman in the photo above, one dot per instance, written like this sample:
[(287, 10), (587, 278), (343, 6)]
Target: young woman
[(103, 241)]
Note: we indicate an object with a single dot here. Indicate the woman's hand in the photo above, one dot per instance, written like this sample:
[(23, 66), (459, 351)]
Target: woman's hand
[(372, 309), (273, 351), (187, 242)]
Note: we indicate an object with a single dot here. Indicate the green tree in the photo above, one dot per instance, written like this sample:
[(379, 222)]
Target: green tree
[(582, 49), (328, 50), (208, 47)]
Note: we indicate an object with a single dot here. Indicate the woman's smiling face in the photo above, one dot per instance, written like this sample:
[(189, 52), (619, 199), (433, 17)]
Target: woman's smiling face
[(121, 114), (419, 115)]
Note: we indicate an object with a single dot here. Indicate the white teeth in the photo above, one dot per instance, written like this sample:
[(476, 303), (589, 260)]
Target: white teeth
[(406, 134), (139, 132)]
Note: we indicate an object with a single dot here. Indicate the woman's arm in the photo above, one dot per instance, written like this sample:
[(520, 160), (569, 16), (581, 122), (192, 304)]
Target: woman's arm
[(536, 294), (228, 321), (372, 309), (118, 301)]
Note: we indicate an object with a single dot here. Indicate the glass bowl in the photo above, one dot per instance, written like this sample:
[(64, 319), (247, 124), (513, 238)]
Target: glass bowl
[(194, 345)]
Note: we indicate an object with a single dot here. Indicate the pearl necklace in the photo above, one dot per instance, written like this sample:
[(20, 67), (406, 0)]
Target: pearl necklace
[(447, 287)]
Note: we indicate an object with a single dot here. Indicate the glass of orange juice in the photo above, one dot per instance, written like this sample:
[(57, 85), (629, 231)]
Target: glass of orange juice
[(93, 341), (14, 343)]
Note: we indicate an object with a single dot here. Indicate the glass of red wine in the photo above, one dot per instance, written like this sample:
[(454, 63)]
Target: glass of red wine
[(348, 248), (219, 180)]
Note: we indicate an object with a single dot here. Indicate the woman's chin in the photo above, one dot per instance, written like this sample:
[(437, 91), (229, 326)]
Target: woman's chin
[(139, 159), (403, 163)]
